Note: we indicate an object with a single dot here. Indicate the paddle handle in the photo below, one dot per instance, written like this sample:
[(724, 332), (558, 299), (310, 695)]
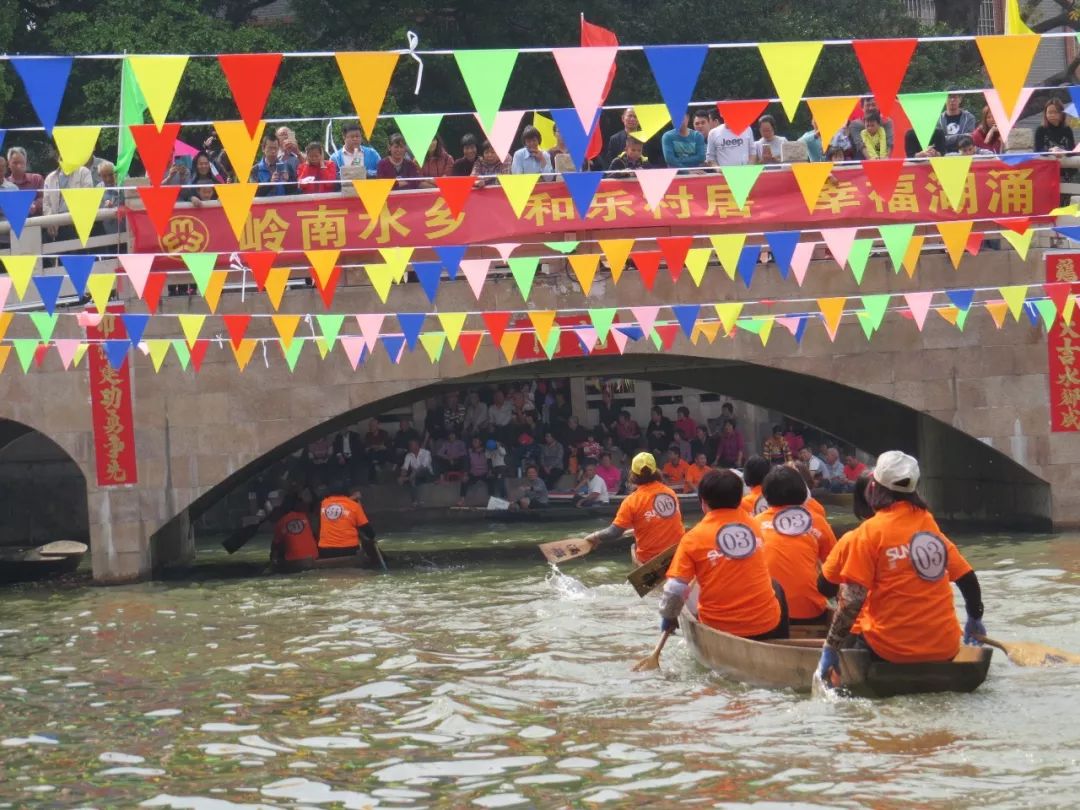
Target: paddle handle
[(663, 640), (990, 642)]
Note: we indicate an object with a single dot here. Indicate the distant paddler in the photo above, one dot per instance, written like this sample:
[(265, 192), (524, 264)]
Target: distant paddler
[(344, 527), (294, 540), (753, 502)]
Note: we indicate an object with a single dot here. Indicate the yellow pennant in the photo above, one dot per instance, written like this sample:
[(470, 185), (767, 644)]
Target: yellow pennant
[(239, 144), (997, 310), (1008, 61), (276, 282), (955, 236), (911, 255), (1014, 296), (542, 322), (75, 145), (100, 287), (80, 353), (191, 325), (766, 329), (373, 194), (1021, 242), (243, 352), (158, 350), (710, 329), (322, 346), (697, 259), (397, 259), (811, 178), (509, 344), (832, 309), (5, 322), (546, 127), (323, 263), (286, 327), (728, 313), (433, 345), (20, 268), (790, 65), (83, 205), (382, 279), (1014, 23), (214, 288), (158, 78), (952, 172), (518, 188), (367, 77), (452, 323), (728, 248), (616, 251), (5, 352), (585, 266), (651, 118), (236, 199), (1070, 305), (831, 114)]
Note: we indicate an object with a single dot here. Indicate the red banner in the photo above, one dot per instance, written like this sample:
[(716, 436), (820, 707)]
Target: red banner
[(110, 402), (1062, 350), (530, 348), (693, 203)]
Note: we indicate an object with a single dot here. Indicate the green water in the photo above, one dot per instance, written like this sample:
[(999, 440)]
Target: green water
[(483, 679)]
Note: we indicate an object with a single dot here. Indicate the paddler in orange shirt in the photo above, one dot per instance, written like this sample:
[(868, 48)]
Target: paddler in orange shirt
[(293, 538), (344, 526), (757, 467), (651, 510)]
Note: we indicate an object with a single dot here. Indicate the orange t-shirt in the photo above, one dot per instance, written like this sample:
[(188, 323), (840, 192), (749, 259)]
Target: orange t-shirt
[(652, 511), (723, 552), (292, 534), (340, 519), (796, 540), (675, 474), (754, 503), (814, 505), (906, 563), (694, 474)]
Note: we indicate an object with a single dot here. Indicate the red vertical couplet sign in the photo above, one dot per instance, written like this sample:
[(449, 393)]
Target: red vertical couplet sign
[(110, 401), (1063, 349)]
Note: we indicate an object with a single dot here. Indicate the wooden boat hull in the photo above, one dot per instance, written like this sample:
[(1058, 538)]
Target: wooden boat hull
[(791, 664), (26, 565), (296, 566)]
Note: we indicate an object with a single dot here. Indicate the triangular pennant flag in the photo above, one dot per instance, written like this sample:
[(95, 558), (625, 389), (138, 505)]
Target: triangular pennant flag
[(135, 325), (322, 263), (710, 329), (998, 310), (752, 325), (1020, 242), (496, 323), (585, 73), (911, 257), (476, 273), (320, 344), (790, 322), (573, 134), (582, 187), (586, 335), (584, 266), (949, 314), (740, 181), (1018, 225), (865, 321), (883, 176), (839, 242), (832, 309), (201, 267), (884, 63), (651, 119), (15, 206), (738, 115), (1058, 292), (411, 323), (635, 333), (450, 256), (191, 326), (239, 142), (75, 145), (236, 199), (66, 348), (565, 247), (328, 287), (676, 69), (800, 260), (367, 77), (158, 78), (354, 349), (616, 251), (674, 250), (45, 322), (39, 355), (697, 260), (5, 288), (276, 282), (419, 130), (48, 288), (100, 286), (156, 147), (136, 267), (395, 347), (373, 194), (896, 239), (370, 325), (502, 133), (748, 261), (243, 353), (1002, 120), (858, 256), (19, 268), (428, 274), (159, 202), (923, 111), (952, 172), (811, 178), (470, 345), (646, 317), (686, 315), (620, 339), (25, 348), (782, 245), (509, 343), (397, 259), (876, 307), (83, 205), (961, 299), (151, 294), (197, 353), (286, 327), (45, 79), (250, 77), (728, 248), (433, 343), (183, 353), (648, 265), (767, 322), (666, 334), (486, 74), (455, 191), (546, 127), (259, 262), (654, 185), (1048, 310), (542, 321), (1014, 296), (518, 188), (505, 249), (382, 279), (790, 65), (601, 319), (117, 352), (452, 324), (955, 236), (1008, 60), (524, 271), (974, 243), (831, 114), (919, 304), (158, 350)]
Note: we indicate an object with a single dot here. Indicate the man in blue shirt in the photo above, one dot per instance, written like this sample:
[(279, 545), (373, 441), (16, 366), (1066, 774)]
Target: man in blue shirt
[(684, 148), (530, 159), (275, 177), (354, 153)]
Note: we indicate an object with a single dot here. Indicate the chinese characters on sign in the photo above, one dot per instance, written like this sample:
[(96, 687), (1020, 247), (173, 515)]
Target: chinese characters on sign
[(1063, 351), (110, 402)]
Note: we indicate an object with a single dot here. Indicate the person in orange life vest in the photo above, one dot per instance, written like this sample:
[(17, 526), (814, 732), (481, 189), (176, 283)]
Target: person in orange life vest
[(293, 538), (344, 527), (695, 472), (797, 541), (724, 554), (757, 467), (899, 566), (651, 510), (675, 469)]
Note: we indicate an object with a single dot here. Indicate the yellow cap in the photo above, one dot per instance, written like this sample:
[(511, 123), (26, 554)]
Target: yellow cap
[(643, 462)]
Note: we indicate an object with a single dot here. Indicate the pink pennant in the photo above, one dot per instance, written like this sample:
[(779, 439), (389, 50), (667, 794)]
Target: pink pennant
[(620, 340), (919, 304), (370, 324), (839, 241), (654, 184), (66, 348), (137, 266), (181, 149), (800, 260), (504, 131), (585, 72), (588, 337), (5, 288), (476, 273), (88, 320), (354, 348), (505, 249), (791, 324), (1002, 121), (646, 317)]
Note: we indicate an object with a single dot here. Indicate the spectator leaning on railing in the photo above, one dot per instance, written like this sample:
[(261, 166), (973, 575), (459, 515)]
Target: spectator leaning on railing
[(275, 177), (23, 178)]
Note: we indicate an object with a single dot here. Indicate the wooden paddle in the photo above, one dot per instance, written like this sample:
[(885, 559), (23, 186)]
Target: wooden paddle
[(237, 539), (62, 548), (1030, 654), (562, 551), (652, 660), (646, 577)]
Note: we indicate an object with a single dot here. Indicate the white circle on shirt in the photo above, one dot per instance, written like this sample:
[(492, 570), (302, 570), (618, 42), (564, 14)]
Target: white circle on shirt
[(664, 505), (760, 505), (793, 521), (736, 541), (334, 511), (295, 527), (928, 556)]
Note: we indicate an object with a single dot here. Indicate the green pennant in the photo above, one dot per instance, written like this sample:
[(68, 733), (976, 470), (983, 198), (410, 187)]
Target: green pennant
[(201, 267), (751, 324), (876, 306), (183, 353), (25, 348), (292, 354), (857, 257), (433, 343), (486, 74), (330, 325), (419, 131), (741, 180), (601, 321), (658, 341), (45, 324), (552, 343), (866, 321), (563, 247), (524, 271), (1046, 307), (923, 111), (961, 318), (896, 239)]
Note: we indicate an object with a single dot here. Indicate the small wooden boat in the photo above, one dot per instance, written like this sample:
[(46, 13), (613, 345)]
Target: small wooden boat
[(43, 562), (839, 501), (791, 664), (296, 566)]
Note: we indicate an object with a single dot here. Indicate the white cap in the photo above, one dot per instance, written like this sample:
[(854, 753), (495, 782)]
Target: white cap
[(897, 471)]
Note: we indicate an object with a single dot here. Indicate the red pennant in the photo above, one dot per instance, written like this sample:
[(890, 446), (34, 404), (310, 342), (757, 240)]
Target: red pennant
[(596, 141), (250, 77), (496, 323), (155, 148), (884, 63), (974, 243), (648, 264), (328, 291), (455, 190), (668, 332), (198, 352), (159, 202), (259, 262), (883, 175), (151, 296), (237, 327), (1058, 292), (674, 250), (39, 354), (1019, 225), (470, 345), (738, 115)]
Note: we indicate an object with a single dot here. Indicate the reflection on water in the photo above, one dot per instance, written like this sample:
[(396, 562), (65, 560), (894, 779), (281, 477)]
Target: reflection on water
[(460, 681)]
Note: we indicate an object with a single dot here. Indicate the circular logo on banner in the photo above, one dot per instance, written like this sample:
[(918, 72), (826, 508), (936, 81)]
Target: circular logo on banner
[(793, 521), (760, 505), (295, 527), (334, 511), (736, 541), (928, 556), (664, 505)]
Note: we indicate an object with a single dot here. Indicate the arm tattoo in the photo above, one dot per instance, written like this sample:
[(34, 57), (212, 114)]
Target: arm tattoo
[(851, 601), (612, 532)]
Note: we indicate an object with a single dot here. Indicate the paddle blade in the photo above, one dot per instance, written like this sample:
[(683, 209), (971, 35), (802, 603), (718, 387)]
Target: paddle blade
[(564, 550), (646, 577), (652, 661), (1030, 654), (237, 539)]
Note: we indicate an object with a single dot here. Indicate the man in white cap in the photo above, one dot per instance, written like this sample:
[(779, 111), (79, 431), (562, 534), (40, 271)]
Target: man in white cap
[(899, 566)]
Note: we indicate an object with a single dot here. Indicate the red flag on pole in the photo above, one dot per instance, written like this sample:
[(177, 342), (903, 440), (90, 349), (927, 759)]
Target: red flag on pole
[(592, 36)]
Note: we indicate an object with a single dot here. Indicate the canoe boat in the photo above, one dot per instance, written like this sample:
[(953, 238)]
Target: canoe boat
[(296, 566), (790, 664), (30, 565)]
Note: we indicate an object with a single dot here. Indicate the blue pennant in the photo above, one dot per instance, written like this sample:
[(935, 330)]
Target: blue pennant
[(135, 324), (3, 135), (16, 207), (411, 323), (393, 344), (687, 315), (1032, 313), (573, 134), (800, 330), (782, 244), (633, 331), (1074, 94), (78, 268), (451, 256), (45, 79), (676, 69), (1016, 158), (961, 299), (117, 352), (582, 187), (429, 274), (748, 260), (48, 288), (1070, 232)]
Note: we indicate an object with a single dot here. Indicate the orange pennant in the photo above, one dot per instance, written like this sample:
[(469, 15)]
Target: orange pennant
[(5, 351), (998, 310), (373, 194), (1008, 61), (832, 309), (955, 236), (367, 77), (509, 344), (214, 288), (240, 145), (243, 352), (950, 314), (911, 255), (616, 251), (831, 114), (322, 263), (236, 199), (276, 282), (542, 322), (585, 265), (710, 329), (811, 178)]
